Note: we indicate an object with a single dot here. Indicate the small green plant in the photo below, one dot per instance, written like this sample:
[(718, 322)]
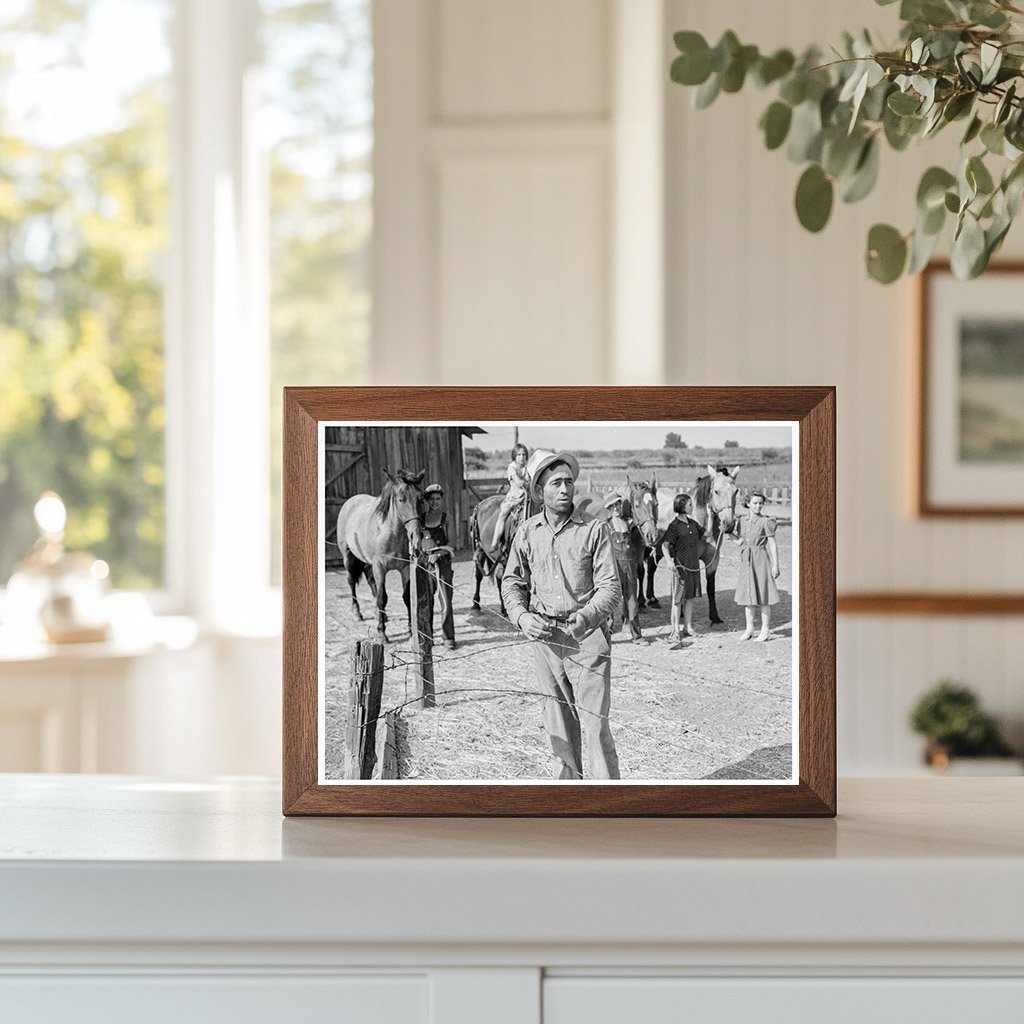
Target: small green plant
[(956, 61), (950, 717)]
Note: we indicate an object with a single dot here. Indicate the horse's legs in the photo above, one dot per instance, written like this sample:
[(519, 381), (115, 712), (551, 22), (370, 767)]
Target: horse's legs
[(406, 589), (355, 569), (713, 615), (651, 557), (499, 571), (380, 574), (372, 583), (478, 557)]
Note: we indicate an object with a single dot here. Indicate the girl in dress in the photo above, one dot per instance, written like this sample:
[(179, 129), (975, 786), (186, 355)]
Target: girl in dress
[(759, 567), (681, 544), (517, 485)]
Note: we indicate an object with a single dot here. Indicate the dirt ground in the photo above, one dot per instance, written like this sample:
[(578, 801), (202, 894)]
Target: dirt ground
[(712, 706)]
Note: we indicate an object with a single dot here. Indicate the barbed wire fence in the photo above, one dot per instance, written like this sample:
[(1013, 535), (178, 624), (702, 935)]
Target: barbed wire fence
[(373, 722)]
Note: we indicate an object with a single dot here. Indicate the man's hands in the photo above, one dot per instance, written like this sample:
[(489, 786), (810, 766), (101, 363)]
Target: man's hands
[(538, 628), (575, 626), (534, 626)]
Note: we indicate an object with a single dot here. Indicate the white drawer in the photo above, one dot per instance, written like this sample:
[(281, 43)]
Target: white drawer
[(654, 1000), (205, 999)]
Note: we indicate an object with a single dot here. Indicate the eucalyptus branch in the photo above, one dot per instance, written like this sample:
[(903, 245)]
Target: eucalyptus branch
[(952, 60)]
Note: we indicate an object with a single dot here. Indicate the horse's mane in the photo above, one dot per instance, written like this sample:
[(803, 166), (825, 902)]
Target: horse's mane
[(702, 495), (386, 500)]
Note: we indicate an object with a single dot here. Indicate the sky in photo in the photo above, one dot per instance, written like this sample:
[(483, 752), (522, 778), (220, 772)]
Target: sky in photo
[(649, 434)]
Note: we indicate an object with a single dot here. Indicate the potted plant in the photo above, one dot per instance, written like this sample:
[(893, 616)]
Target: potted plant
[(950, 717)]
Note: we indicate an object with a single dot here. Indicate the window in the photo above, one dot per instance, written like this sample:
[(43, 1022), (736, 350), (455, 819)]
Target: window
[(185, 221), (317, 116), (83, 237)]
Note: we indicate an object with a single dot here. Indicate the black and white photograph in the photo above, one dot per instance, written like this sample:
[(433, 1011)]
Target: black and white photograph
[(558, 601)]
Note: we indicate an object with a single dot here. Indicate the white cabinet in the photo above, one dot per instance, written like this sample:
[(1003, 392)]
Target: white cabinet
[(823, 1000), (132, 898), (242, 999)]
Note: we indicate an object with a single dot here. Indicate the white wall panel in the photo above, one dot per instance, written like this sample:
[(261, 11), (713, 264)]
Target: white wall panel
[(531, 58), (522, 281)]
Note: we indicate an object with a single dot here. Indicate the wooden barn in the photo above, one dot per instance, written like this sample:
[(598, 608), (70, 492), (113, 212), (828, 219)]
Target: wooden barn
[(355, 459)]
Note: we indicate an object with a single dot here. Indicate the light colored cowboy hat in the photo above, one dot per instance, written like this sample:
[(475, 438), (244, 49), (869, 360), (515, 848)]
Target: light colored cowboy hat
[(541, 459), (612, 499)]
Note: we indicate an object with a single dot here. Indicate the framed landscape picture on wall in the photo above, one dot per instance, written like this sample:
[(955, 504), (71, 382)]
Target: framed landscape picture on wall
[(970, 421), (571, 601)]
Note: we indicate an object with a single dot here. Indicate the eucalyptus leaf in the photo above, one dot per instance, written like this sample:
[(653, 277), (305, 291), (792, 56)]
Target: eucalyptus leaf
[(794, 88), (840, 152), (968, 247), (904, 103), (775, 123), (987, 15), (886, 253), (991, 60), (1004, 106), (993, 138), (922, 248), (932, 220), (708, 92), (958, 105), (805, 133), (873, 106), (735, 74), (931, 190), (771, 69), (972, 132), (814, 194), (865, 173), (979, 177), (725, 49)]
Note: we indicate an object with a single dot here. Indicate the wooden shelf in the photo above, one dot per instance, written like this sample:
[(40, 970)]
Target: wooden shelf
[(928, 603)]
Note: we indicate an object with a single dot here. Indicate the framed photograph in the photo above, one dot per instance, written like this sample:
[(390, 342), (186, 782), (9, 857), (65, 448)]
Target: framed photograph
[(970, 423), (559, 601)]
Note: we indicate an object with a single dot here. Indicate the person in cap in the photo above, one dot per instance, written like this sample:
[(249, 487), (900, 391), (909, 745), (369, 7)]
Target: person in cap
[(627, 547), (518, 481), (560, 586), (439, 558)]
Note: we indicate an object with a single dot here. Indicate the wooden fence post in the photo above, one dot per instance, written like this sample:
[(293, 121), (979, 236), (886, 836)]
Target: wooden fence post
[(364, 695), (422, 607)]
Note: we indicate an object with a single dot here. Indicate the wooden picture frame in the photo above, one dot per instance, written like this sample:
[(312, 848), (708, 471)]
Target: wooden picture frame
[(811, 410), (946, 482)]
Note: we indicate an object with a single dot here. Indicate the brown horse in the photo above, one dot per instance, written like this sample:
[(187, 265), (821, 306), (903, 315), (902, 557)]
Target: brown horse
[(489, 560), (714, 508), (376, 534)]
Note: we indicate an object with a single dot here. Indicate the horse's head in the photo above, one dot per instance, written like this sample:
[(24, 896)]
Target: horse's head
[(406, 497), (643, 496), (722, 500)]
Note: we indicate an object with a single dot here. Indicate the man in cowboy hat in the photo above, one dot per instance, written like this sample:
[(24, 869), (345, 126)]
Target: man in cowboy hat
[(560, 586)]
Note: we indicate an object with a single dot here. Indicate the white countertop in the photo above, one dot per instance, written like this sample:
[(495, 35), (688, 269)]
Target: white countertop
[(124, 859)]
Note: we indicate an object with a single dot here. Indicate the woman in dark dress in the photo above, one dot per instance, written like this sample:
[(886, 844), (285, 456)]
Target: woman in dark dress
[(681, 543), (439, 558)]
